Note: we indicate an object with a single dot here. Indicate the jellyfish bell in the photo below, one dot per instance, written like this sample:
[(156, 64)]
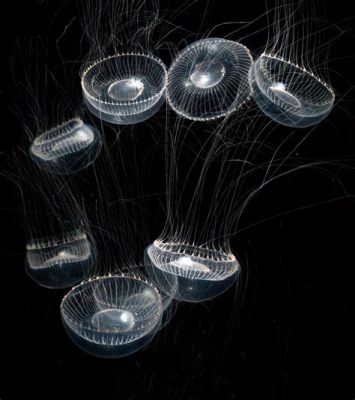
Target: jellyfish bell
[(112, 316), (209, 79), (60, 262), (289, 94), (67, 148), (200, 273), (124, 89)]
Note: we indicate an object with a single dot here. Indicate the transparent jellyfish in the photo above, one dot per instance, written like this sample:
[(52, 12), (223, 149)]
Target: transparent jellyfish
[(209, 79), (289, 94), (67, 148), (194, 273), (124, 89), (60, 262), (112, 316)]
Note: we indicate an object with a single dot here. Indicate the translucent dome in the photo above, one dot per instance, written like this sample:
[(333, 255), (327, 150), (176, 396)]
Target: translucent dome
[(194, 273), (209, 79), (60, 262), (67, 148), (288, 94), (112, 316), (125, 89)]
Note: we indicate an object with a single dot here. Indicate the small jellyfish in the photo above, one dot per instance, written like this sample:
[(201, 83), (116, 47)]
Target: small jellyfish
[(209, 79), (112, 316), (190, 273), (124, 89), (60, 262), (289, 94), (67, 148)]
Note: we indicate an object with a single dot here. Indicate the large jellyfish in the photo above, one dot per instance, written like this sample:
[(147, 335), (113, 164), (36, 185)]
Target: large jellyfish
[(112, 316), (126, 88), (289, 94), (66, 148), (60, 262), (190, 273), (209, 79)]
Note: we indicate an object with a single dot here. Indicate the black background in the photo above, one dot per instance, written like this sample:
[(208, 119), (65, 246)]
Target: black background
[(293, 335)]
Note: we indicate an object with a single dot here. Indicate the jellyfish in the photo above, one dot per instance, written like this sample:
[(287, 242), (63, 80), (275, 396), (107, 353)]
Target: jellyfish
[(60, 262), (112, 316), (67, 148), (209, 79), (190, 273), (288, 93), (124, 89)]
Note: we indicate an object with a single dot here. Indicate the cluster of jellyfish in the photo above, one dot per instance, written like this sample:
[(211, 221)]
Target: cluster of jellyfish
[(115, 315)]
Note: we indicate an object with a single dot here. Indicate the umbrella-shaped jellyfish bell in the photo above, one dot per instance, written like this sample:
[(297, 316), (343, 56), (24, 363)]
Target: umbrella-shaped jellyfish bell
[(60, 262), (67, 148), (289, 94), (112, 316), (124, 89), (209, 79), (201, 273)]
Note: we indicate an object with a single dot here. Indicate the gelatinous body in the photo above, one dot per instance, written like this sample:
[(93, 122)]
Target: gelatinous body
[(194, 273), (125, 89), (288, 94), (60, 262), (112, 316), (209, 79), (67, 148)]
